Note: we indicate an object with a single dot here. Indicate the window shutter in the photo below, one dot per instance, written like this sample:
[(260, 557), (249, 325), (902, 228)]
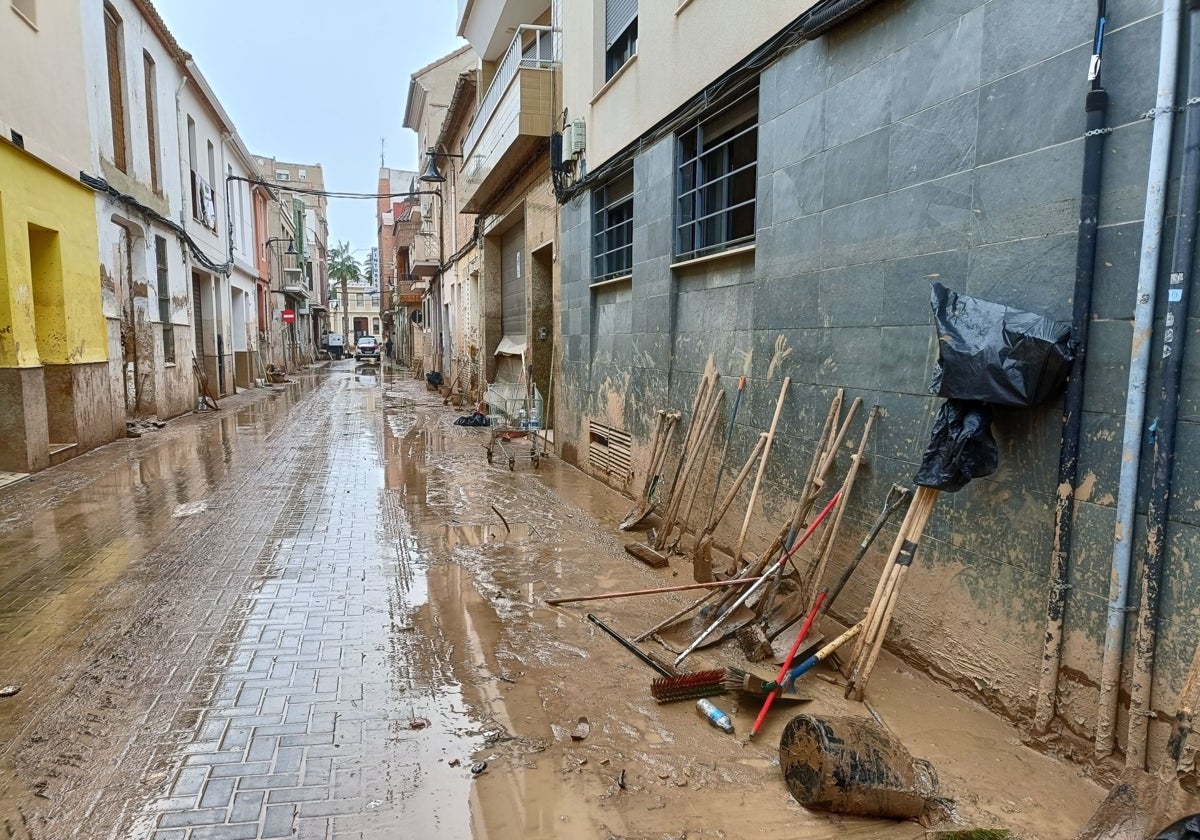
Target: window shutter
[(116, 87), (618, 14), (151, 118)]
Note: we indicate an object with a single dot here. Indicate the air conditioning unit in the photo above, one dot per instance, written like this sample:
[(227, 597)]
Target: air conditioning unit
[(303, 309), (575, 138)]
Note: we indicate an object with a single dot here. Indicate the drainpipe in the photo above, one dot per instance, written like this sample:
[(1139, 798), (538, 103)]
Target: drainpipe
[(1139, 363), (1095, 106), (1174, 338), (181, 137)]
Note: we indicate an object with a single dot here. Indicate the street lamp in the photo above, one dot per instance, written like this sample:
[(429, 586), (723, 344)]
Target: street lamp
[(431, 175), (291, 248)]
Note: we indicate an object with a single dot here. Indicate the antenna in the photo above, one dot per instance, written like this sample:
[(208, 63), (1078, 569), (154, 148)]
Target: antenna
[(382, 147)]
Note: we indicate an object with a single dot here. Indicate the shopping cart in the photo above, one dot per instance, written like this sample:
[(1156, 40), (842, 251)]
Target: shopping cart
[(515, 415)]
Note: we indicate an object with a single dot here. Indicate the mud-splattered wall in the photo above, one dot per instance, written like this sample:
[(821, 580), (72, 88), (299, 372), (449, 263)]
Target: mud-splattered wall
[(921, 141)]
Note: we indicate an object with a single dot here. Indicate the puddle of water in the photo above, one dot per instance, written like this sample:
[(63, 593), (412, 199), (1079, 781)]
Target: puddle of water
[(477, 535)]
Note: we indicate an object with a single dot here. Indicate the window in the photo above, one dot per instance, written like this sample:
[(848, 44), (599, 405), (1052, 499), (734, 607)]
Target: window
[(282, 175), (718, 172), (191, 137), (151, 117), (612, 228), (164, 299), (26, 9), (212, 164), (116, 87), (359, 300), (620, 34), (302, 174)]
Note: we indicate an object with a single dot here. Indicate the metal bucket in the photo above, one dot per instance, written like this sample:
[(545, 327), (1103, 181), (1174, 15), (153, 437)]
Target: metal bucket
[(852, 765)]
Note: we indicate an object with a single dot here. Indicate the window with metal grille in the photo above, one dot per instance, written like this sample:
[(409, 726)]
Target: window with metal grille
[(612, 228), (151, 116), (116, 86), (717, 180), (620, 34), (164, 299)]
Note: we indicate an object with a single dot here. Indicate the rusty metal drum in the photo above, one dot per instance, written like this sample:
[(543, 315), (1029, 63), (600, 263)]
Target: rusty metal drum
[(852, 765)]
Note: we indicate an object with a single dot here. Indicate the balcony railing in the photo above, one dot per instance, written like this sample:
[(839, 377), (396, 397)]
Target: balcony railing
[(540, 54)]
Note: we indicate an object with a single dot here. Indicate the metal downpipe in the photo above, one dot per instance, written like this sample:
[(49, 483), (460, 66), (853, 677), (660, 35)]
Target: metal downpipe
[(1174, 339), (1096, 105), (1139, 363)]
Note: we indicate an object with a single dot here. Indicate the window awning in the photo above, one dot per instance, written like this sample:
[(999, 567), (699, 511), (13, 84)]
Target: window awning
[(511, 345)]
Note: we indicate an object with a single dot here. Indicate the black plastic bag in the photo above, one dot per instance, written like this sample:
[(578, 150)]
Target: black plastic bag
[(995, 354), (1186, 829), (960, 448), (433, 378), (475, 419)]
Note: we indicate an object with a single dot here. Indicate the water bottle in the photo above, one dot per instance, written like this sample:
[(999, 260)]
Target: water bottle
[(535, 418), (715, 716), (522, 422)]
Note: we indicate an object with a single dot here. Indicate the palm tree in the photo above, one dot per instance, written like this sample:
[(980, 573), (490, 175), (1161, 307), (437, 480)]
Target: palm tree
[(345, 269)]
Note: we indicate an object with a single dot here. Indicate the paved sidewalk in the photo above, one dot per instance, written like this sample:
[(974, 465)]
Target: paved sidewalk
[(254, 630)]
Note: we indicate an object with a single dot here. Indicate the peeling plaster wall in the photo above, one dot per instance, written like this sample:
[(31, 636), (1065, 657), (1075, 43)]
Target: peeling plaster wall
[(919, 141)]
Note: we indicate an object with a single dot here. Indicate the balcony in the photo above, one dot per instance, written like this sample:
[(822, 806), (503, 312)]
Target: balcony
[(487, 23), (514, 119)]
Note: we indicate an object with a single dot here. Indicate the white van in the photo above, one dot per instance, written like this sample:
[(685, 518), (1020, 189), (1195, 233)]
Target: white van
[(335, 344)]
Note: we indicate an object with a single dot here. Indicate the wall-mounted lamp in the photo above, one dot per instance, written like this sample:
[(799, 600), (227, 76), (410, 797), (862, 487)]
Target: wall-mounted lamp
[(431, 175), (291, 248)]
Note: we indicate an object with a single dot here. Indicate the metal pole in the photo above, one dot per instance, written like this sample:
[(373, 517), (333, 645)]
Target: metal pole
[(1174, 339), (1095, 105), (1139, 364)]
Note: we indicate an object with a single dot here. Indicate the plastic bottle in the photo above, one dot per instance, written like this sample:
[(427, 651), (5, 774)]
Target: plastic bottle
[(715, 716)]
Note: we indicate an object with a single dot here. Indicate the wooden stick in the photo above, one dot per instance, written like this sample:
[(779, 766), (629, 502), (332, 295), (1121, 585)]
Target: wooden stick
[(918, 528), (554, 602), (676, 616), (835, 408), (689, 459), (698, 470), (660, 423), (875, 630), (737, 484), (882, 587), (762, 468), (829, 538)]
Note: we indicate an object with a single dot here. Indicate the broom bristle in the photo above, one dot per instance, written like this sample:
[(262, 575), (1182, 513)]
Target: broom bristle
[(738, 680), (689, 686)]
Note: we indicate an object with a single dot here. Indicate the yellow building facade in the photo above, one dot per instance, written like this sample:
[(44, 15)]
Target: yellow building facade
[(55, 394)]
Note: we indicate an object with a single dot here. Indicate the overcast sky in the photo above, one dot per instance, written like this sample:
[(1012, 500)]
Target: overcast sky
[(309, 81)]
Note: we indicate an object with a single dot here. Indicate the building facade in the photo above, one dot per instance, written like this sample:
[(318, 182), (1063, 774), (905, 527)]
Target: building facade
[(297, 260), (56, 398), (807, 181), (506, 182)]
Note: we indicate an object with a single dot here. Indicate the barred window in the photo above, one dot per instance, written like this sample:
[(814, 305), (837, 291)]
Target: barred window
[(612, 228), (717, 180)]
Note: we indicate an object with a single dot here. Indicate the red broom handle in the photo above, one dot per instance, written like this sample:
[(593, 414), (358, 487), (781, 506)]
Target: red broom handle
[(787, 663)]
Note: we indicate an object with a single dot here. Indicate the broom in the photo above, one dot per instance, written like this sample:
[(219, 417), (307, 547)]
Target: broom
[(673, 685)]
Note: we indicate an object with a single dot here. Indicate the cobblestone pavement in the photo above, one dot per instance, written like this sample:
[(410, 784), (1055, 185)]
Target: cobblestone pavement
[(241, 588)]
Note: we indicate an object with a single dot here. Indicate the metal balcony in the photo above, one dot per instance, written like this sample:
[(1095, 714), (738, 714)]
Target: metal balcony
[(514, 118)]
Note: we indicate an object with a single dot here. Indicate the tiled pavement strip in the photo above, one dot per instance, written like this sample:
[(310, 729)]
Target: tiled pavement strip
[(305, 736), (290, 712)]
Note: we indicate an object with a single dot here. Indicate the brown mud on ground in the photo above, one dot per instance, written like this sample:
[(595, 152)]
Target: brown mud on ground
[(532, 671), (302, 617)]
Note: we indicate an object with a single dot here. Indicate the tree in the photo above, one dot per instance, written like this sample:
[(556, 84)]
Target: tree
[(345, 269)]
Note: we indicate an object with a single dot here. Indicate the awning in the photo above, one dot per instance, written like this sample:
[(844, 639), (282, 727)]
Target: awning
[(511, 345)]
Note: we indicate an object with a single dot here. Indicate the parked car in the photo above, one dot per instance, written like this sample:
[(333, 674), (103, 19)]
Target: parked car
[(367, 348)]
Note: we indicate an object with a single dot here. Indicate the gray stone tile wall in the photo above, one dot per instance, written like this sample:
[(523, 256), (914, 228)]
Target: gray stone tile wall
[(928, 140)]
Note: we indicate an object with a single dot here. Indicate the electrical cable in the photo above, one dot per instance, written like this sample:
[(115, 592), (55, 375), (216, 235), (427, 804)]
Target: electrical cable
[(150, 214)]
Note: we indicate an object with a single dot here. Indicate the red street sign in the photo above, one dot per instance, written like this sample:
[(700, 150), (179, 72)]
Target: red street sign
[(288, 316)]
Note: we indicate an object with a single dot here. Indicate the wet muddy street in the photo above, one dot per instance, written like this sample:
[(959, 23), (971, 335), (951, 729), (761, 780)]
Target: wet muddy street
[(302, 617)]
